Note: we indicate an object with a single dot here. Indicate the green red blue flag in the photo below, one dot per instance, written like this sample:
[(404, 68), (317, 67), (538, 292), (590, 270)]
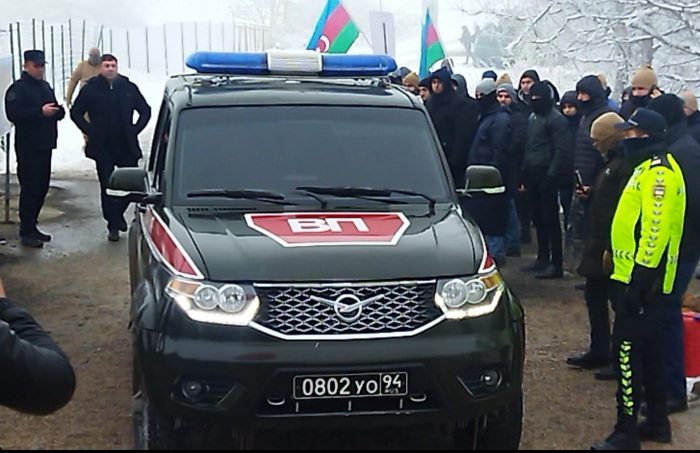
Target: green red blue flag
[(335, 32), (432, 50)]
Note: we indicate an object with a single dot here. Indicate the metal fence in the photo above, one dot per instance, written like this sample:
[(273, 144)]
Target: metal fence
[(155, 50)]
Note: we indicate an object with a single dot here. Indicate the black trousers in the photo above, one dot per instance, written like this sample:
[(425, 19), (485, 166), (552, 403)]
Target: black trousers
[(34, 174), (597, 300), (544, 205), (522, 204), (637, 337), (566, 195), (113, 209)]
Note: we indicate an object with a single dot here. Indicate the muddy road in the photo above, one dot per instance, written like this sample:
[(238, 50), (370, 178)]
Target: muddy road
[(78, 289)]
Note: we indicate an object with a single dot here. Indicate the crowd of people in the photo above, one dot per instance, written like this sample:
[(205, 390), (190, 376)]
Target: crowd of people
[(624, 178)]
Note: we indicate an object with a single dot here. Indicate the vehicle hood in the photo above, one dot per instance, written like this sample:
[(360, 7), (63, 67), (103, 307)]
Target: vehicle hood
[(233, 247)]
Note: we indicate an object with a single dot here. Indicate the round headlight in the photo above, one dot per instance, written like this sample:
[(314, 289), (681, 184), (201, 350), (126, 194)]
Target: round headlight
[(455, 294), (476, 292), (232, 299), (206, 297)]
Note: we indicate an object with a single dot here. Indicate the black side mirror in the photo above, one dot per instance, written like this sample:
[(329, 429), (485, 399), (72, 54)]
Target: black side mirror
[(483, 180), (130, 184)]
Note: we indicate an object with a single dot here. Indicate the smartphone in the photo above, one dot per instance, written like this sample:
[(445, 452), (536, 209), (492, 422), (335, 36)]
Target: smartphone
[(579, 181)]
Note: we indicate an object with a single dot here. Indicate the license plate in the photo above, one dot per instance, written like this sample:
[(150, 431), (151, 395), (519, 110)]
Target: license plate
[(350, 386)]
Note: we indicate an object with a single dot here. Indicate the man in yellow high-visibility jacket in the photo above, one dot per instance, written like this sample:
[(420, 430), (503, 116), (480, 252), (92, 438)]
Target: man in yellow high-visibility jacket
[(645, 245)]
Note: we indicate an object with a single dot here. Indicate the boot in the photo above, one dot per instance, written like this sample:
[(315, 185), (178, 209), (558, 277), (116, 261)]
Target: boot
[(41, 236), (588, 361), (536, 266), (608, 373), (123, 226), (619, 441), (675, 406), (658, 433), (551, 273), (113, 236), (31, 242)]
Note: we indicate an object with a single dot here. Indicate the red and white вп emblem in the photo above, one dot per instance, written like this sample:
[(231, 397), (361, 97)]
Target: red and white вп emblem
[(311, 229)]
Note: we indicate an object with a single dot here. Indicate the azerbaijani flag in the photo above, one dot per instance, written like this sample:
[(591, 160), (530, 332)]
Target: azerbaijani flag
[(431, 48), (335, 31)]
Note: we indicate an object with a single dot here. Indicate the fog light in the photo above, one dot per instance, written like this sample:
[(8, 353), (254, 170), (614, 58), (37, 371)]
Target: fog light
[(192, 389), (492, 380)]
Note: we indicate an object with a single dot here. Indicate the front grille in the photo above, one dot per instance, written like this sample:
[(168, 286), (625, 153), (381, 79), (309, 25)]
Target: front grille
[(294, 311)]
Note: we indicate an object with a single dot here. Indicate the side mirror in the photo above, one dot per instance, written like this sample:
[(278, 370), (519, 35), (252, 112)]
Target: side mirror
[(483, 180), (130, 184)]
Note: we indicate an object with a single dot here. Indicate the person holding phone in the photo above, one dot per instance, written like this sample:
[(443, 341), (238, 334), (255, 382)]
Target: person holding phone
[(602, 199), (644, 89), (31, 106)]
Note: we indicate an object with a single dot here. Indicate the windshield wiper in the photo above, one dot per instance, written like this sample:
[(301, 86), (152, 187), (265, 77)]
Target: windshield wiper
[(367, 193), (242, 194)]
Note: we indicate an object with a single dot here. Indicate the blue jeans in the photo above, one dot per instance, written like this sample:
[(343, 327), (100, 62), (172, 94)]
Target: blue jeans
[(513, 233), (497, 246), (672, 329)]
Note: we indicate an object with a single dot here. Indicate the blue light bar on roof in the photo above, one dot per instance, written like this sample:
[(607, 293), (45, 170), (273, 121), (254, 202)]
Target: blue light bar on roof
[(292, 63)]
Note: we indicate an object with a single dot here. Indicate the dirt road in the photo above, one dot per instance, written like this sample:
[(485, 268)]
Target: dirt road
[(78, 289)]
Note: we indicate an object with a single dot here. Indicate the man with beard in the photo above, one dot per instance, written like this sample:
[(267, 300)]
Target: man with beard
[(455, 122), (491, 147), (545, 171), (644, 89), (528, 79)]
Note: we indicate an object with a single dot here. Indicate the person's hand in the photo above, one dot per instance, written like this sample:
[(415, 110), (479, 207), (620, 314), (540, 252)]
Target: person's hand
[(583, 192), (522, 188), (656, 93), (49, 109), (608, 263)]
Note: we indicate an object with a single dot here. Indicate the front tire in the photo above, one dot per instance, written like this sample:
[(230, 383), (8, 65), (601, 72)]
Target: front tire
[(501, 430)]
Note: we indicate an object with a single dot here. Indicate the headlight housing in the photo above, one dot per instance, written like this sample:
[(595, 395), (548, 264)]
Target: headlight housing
[(225, 304), (470, 297)]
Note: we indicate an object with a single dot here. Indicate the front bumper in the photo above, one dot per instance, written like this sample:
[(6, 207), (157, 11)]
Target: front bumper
[(248, 376)]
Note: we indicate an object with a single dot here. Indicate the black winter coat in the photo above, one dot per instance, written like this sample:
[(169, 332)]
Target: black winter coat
[(492, 142), (519, 115), (23, 103), (694, 125), (588, 159), (455, 119), (94, 99), (548, 142), (604, 198), (687, 152), (35, 375)]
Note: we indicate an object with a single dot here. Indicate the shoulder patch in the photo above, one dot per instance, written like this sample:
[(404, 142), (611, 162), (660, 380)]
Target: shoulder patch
[(660, 161)]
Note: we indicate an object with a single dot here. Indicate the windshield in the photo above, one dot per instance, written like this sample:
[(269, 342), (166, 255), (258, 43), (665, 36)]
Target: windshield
[(280, 148)]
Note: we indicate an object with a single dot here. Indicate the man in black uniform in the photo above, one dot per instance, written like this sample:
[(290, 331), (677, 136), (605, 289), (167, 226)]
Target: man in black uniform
[(31, 105), (36, 378), (110, 101)]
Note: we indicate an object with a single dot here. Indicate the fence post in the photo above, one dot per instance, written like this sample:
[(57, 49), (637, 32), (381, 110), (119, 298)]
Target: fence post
[(148, 58), (83, 46), (111, 41), (196, 37), (128, 49), (165, 43), (63, 60), (70, 41), (53, 61), (182, 38), (19, 45), (43, 36), (101, 39), (33, 33)]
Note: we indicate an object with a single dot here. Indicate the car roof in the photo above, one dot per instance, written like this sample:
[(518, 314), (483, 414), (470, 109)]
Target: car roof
[(199, 90)]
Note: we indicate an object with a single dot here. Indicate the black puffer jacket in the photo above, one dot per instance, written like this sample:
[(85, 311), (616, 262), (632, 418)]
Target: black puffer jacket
[(108, 106), (604, 198), (455, 119), (547, 146), (571, 98), (687, 152), (23, 103), (519, 116), (35, 376), (588, 160), (694, 125)]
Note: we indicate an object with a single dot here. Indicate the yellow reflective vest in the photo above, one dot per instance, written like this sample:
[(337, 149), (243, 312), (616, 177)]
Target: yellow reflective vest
[(648, 224)]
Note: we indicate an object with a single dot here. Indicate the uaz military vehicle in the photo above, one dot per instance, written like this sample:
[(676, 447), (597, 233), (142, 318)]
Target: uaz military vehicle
[(300, 259)]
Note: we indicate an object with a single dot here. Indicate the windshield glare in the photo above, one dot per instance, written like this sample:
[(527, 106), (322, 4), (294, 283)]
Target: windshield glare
[(279, 148)]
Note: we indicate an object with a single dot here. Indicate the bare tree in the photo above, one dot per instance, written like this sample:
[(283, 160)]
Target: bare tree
[(611, 36)]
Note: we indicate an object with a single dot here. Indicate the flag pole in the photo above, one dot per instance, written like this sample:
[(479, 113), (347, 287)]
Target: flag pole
[(357, 24), (442, 41)]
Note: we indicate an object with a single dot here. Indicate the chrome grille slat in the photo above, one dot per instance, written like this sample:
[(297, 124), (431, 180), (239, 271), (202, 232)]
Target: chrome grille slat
[(290, 311)]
